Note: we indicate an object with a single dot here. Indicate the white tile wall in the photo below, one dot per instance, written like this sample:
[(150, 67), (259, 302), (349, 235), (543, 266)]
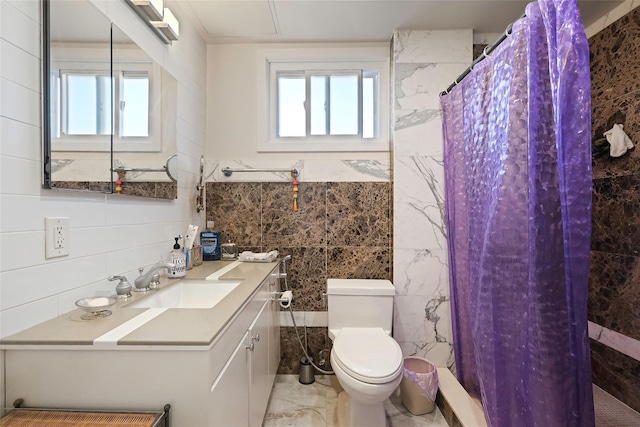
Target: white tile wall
[(109, 234)]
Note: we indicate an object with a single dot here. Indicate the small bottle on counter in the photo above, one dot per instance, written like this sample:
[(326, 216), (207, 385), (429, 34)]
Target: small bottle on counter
[(178, 258)]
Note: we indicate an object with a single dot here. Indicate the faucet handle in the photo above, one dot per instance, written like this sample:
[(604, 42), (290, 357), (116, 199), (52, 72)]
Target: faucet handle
[(155, 281), (140, 270), (123, 288)]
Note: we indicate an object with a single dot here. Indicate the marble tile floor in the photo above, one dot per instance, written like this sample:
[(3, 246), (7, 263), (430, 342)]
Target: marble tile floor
[(315, 405)]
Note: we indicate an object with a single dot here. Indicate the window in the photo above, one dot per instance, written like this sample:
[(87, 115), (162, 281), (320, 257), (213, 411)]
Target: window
[(134, 105), (92, 99), (323, 100)]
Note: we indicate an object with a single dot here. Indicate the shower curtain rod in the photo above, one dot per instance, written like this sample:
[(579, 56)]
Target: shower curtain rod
[(487, 50)]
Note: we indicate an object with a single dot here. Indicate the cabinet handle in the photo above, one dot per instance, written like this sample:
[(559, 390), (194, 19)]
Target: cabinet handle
[(256, 338), (251, 346)]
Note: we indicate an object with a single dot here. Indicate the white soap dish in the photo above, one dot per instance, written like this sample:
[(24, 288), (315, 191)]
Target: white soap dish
[(95, 307)]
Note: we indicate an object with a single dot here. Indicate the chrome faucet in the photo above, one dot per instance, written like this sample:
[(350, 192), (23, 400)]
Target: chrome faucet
[(143, 281)]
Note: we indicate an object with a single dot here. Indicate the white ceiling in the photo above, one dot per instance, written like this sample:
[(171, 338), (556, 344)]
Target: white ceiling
[(247, 21)]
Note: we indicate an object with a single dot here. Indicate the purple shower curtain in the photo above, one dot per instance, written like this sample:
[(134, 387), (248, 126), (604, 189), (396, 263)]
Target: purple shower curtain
[(518, 196)]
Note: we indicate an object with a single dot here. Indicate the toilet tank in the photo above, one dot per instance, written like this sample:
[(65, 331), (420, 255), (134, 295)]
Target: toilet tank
[(359, 303)]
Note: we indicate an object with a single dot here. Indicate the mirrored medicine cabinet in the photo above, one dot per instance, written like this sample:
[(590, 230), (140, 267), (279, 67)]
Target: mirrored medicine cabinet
[(109, 110)]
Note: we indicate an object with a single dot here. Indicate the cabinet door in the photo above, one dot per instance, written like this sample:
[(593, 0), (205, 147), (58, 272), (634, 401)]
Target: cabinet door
[(229, 399), (274, 338), (260, 384)]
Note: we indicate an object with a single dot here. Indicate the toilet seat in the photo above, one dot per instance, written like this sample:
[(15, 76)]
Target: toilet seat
[(368, 354)]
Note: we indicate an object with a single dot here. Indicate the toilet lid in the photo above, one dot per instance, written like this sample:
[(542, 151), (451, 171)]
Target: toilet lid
[(368, 354)]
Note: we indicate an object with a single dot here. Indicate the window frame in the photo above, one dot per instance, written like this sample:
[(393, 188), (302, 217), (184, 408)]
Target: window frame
[(317, 60)]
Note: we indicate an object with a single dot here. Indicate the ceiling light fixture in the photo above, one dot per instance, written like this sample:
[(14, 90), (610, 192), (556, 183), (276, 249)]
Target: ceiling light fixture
[(152, 9), (169, 26), (159, 18)]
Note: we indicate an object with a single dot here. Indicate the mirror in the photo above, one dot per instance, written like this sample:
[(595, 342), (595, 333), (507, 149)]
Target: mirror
[(109, 121)]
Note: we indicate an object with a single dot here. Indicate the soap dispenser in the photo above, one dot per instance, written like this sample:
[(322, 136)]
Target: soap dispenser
[(178, 258)]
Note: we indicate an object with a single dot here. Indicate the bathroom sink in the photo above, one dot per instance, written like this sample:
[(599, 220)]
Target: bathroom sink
[(188, 294)]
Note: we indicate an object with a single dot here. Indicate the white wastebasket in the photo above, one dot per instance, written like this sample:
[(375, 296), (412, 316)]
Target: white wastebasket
[(419, 385)]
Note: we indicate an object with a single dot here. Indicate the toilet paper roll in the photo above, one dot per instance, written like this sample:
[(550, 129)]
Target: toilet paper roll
[(285, 299)]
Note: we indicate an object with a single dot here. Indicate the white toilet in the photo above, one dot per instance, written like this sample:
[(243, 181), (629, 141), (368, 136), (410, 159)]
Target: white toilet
[(366, 360)]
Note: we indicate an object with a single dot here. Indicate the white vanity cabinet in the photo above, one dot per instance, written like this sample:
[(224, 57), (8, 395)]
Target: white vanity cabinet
[(225, 384), (240, 392)]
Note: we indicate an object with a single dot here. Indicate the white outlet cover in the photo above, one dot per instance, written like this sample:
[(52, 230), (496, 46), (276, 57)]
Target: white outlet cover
[(56, 237)]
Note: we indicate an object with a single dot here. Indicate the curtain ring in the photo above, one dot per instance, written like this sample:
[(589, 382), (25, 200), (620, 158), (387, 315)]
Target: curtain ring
[(509, 29), (484, 51)]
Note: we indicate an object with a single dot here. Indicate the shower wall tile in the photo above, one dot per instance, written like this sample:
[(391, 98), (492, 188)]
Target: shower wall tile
[(411, 46), (614, 292), (418, 86), (419, 180), (419, 226), (615, 89), (617, 374), (411, 126), (409, 266), (425, 63), (614, 296), (614, 55), (625, 111), (616, 215), (422, 327)]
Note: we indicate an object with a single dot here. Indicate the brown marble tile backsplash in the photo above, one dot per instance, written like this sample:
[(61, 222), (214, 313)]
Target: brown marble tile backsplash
[(341, 230)]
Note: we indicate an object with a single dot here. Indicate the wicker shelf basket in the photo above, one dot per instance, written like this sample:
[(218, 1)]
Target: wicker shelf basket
[(42, 417)]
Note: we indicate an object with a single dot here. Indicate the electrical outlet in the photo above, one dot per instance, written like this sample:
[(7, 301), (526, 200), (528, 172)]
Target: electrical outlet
[(56, 241)]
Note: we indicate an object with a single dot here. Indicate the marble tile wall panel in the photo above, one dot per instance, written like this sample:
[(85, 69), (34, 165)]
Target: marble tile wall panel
[(351, 170), (358, 214), (616, 215), (616, 373), (615, 241), (362, 262), (236, 211), (418, 86), (281, 225), (419, 132), (411, 46), (422, 319), (615, 67), (614, 292), (615, 89)]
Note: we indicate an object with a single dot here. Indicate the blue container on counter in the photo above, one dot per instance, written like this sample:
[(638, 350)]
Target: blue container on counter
[(210, 242)]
